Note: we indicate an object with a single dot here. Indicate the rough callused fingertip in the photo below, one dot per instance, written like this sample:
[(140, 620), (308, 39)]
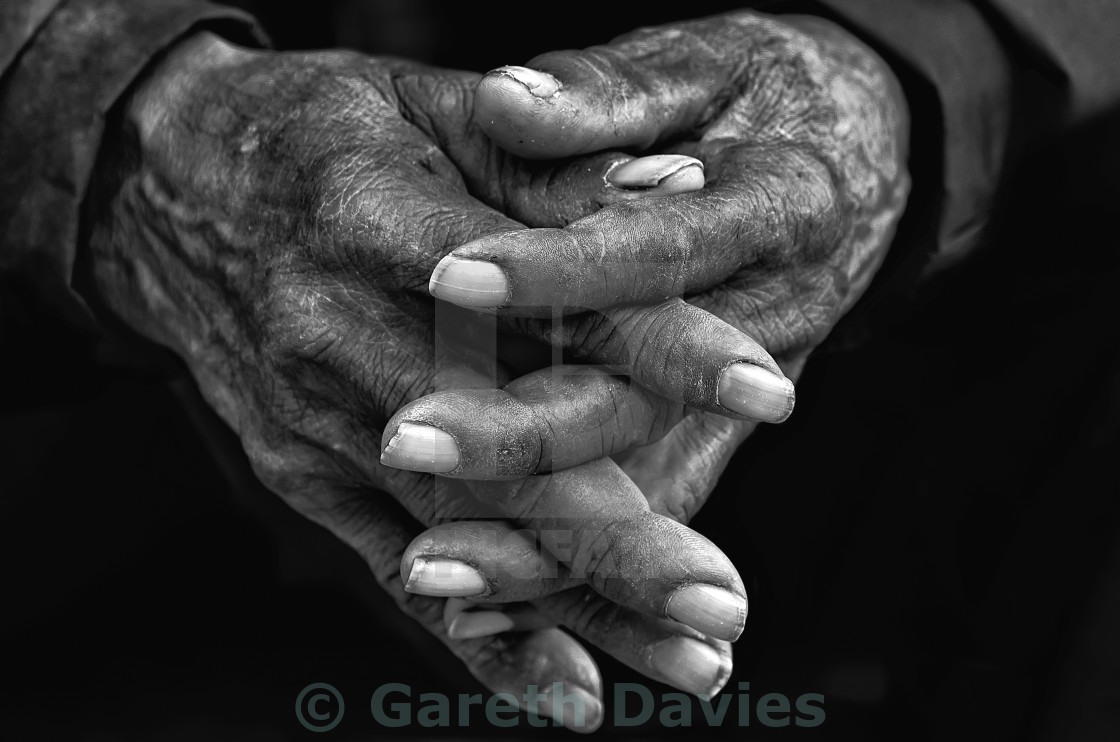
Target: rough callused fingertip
[(711, 610), (444, 578), (539, 84), (670, 173), (753, 391), (469, 283), (421, 448), (477, 624), (691, 665)]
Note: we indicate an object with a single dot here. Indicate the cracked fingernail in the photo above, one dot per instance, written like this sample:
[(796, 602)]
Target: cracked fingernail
[(540, 84), (691, 665), (469, 283), (476, 624), (444, 578), (421, 448), (709, 609), (669, 174), (755, 392)]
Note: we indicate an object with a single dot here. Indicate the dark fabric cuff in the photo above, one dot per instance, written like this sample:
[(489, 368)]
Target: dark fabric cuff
[(20, 20), (53, 102), (952, 45)]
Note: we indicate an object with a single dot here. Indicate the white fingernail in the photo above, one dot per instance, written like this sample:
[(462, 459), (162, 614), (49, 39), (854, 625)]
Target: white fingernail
[(469, 283), (709, 609), (476, 624), (672, 173), (421, 448), (444, 578), (755, 392), (691, 665), (540, 84)]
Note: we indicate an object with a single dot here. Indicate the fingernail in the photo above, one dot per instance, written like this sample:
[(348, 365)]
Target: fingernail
[(576, 708), (444, 578), (755, 392), (691, 665), (669, 173), (421, 448), (469, 283), (709, 609), (689, 178), (476, 624), (540, 84)]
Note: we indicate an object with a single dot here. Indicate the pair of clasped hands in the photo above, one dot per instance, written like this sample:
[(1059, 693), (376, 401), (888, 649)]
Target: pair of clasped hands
[(677, 217)]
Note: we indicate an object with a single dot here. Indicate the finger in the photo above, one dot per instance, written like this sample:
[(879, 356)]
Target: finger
[(759, 204), (649, 86), (490, 562), (483, 560), (597, 524), (640, 89), (466, 620), (789, 310), (563, 416), (547, 660), (514, 569), (548, 420), (659, 649), (553, 193), (679, 351)]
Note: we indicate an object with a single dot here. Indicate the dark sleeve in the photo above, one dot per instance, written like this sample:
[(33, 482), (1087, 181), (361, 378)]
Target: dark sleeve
[(63, 64), (1003, 73), (1073, 43)]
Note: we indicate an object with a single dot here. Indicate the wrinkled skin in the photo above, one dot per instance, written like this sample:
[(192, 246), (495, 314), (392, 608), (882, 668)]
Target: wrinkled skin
[(235, 223), (803, 132), (273, 219), (810, 87)]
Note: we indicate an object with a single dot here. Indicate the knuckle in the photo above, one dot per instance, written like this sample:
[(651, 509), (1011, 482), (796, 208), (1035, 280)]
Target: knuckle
[(330, 343), (589, 615), (396, 377), (600, 337), (300, 321), (794, 310), (288, 469), (814, 211), (682, 508)]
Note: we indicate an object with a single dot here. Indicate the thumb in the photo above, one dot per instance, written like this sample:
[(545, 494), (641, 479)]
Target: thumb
[(641, 88)]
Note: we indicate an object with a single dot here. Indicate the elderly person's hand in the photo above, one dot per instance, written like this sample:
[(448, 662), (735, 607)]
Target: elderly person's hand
[(273, 219), (803, 134)]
